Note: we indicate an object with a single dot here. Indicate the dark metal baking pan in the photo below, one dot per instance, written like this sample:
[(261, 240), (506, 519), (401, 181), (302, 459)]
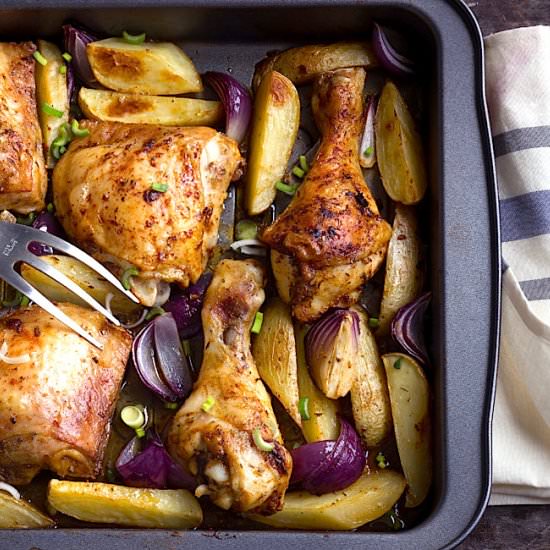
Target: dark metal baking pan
[(462, 218)]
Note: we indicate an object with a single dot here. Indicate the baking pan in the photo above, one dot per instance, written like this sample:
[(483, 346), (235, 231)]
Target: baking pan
[(461, 216)]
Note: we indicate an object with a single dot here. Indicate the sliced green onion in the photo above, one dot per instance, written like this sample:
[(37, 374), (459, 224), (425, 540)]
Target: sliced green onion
[(298, 172), (258, 321), (208, 404), (15, 302), (169, 405), (397, 364), (40, 58), (260, 442), (28, 219), (24, 301), (134, 38), (62, 150), (160, 187), (303, 163), (303, 408), (154, 312), (67, 57), (125, 279), (63, 136), (373, 322), (63, 69), (285, 188), (140, 432), (381, 461), (369, 151), (52, 111), (133, 416), (77, 131), (186, 347), (246, 229), (50, 208), (55, 153)]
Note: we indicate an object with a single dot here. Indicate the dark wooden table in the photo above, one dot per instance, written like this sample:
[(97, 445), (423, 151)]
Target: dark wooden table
[(511, 527)]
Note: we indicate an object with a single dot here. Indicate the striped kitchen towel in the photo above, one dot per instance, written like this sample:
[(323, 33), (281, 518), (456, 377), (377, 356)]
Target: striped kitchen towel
[(518, 96)]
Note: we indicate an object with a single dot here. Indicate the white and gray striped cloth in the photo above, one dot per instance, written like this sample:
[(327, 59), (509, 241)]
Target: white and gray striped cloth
[(518, 95)]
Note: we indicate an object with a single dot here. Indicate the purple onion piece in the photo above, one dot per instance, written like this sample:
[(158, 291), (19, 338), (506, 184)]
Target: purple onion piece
[(76, 40), (236, 101), (45, 221), (390, 59), (407, 328), (307, 458)]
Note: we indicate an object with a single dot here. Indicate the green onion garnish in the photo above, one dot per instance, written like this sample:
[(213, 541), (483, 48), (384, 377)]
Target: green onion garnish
[(170, 405), (28, 219), (257, 325), (368, 151), (373, 322), (52, 111), (133, 416), (208, 404), (140, 432), (260, 442), (77, 131), (62, 150), (63, 69), (63, 136), (134, 38), (246, 229), (50, 208), (186, 347), (125, 279), (285, 188), (67, 57), (303, 408), (154, 312), (381, 461), (298, 172), (40, 58), (397, 364), (15, 302), (24, 301), (160, 187), (303, 163)]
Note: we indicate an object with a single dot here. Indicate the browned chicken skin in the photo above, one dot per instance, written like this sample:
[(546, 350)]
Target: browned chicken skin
[(57, 399), (104, 197), (218, 444), (23, 179), (331, 238)]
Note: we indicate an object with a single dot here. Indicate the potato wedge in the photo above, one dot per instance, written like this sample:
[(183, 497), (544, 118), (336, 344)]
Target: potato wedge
[(370, 497), (140, 109), (83, 276), (323, 420), (19, 514), (410, 405), (51, 89), (274, 351), (153, 68), (370, 401), (304, 63), (399, 149), (274, 131), (403, 278), (133, 506)]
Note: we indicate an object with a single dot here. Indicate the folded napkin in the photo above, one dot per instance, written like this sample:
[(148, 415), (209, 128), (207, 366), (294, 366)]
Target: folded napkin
[(518, 95)]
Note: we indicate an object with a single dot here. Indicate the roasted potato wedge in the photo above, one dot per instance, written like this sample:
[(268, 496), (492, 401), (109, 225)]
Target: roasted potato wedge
[(410, 405), (323, 420), (18, 514), (404, 277), (153, 68), (83, 276), (141, 109), (274, 351), (51, 89), (370, 497), (304, 63), (399, 149), (274, 130), (370, 401), (133, 506)]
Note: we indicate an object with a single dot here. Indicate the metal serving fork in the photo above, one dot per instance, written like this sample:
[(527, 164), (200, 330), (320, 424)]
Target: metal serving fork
[(14, 248)]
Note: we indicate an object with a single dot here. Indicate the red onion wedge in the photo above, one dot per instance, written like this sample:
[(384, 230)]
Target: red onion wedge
[(390, 59), (367, 150), (45, 221), (328, 466), (76, 40), (236, 102), (407, 328)]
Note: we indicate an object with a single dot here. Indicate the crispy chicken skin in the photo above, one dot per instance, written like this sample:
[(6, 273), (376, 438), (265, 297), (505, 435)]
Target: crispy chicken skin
[(217, 445), (55, 408), (23, 179), (104, 199), (331, 238)]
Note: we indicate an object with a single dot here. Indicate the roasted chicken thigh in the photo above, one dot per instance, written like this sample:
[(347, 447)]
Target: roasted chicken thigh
[(331, 238), (148, 197), (216, 432)]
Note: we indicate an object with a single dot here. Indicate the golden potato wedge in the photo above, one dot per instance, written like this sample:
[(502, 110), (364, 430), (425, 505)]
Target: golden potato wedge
[(274, 351), (370, 401), (141, 109), (370, 497), (133, 506), (153, 68), (404, 277), (19, 514), (83, 276), (323, 420), (399, 149), (410, 405), (304, 63), (274, 130), (51, 89)]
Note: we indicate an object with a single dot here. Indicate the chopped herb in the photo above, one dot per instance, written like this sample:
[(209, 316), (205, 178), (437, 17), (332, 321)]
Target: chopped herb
[(397, 364), (258, 321), (77, 130), (24, 301), (160, 187), (374, 322), (368, 151), (40, 58), (303, 163), (134, 38), (381, 461), (63, 69), (67, 57), (133, 416), (50, 110), (246, 229), (154, 312), (63, 136), (260, 442), (303, 408), (28, 219), (285, 188), (125, 279), (186, 347), (140, 432), (170, 405), (50, 208), (298, 172), (208, 404)]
